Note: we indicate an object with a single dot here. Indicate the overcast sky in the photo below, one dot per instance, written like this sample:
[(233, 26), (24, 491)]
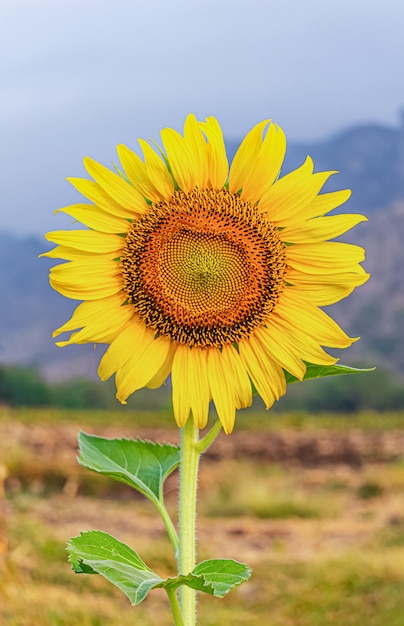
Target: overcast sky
[(80, 76)]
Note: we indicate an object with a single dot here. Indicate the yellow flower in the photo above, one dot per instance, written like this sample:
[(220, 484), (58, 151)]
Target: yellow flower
[(214, 276)]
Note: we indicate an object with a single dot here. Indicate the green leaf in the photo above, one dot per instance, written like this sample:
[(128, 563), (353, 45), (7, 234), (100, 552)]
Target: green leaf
[(216, 577), (98, 552), (319, 371), (143, 465), (222, 574), (95, 552)]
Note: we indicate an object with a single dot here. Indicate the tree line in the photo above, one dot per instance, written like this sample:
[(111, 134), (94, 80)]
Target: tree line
[(25, 386)]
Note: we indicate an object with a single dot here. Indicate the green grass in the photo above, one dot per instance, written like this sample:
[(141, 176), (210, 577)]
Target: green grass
[(246, 488), (357, 588), (90, 417), (248, 419), (352, 591)]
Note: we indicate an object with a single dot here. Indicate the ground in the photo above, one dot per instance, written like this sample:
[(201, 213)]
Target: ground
[(316, 509)]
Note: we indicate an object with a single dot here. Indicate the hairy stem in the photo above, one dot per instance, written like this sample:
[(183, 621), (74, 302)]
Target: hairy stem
[(187, 516)]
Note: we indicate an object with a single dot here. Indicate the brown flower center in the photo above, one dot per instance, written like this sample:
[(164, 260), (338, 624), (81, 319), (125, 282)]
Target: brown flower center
[(203, 268)]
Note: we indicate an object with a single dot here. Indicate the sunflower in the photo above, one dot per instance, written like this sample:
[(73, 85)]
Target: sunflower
[(210, 274)]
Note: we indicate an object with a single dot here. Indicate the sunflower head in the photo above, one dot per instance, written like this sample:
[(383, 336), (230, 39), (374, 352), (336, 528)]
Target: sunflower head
[(213, 275)]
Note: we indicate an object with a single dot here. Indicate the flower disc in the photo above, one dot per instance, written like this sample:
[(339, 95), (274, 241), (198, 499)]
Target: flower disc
[(203, 268)]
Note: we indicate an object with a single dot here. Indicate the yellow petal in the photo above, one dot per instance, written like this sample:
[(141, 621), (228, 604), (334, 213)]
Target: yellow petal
[(136, 171), (71, 254), (95, 218), (84, 292), (216, 153), (222, 392), (324, 203), (143, 364), (265, 167), (130, 341), (157, 171), (164, 371), (88, 312), (320, 228), (100, 321), (187, 155), (306, 346), (278, 345), (304, 316), (181, 394), (87, 240), (266, 375), (196, 377), (291, 194), (190, 386), (83, 270), (325, 290), (178, 159), (245, 156), (238, 377), (120, 190), (86, 280), (94, 192), (197, 150), (328, 257)]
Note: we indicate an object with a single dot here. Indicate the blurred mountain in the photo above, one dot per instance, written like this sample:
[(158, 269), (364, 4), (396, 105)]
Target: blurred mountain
[(375, 311), (371, 161), (30, 310)]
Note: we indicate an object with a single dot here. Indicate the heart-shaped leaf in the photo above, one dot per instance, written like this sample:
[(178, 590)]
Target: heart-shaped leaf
[(143, 465), (98, 552)]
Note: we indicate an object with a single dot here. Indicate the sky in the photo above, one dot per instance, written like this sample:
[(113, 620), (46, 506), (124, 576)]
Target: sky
[(78, 77)]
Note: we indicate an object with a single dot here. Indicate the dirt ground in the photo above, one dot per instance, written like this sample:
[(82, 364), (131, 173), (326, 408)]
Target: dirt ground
[(307, 448), (43, 458)]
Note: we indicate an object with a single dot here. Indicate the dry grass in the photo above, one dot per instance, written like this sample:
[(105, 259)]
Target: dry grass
[(326, 542)]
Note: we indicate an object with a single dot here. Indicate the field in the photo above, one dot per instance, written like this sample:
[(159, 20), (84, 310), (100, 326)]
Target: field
[(315, 505)]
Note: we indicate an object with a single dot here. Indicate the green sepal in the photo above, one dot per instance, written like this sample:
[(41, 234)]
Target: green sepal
[(144, 465), (320, 371), (121, 174)]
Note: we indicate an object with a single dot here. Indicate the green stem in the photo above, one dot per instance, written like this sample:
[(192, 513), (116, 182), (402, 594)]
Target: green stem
[(172, 533), (187, 516), (175, 606), (204, 443)]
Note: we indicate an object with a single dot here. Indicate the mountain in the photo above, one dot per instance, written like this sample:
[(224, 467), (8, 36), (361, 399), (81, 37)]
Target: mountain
[(371, 161)]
